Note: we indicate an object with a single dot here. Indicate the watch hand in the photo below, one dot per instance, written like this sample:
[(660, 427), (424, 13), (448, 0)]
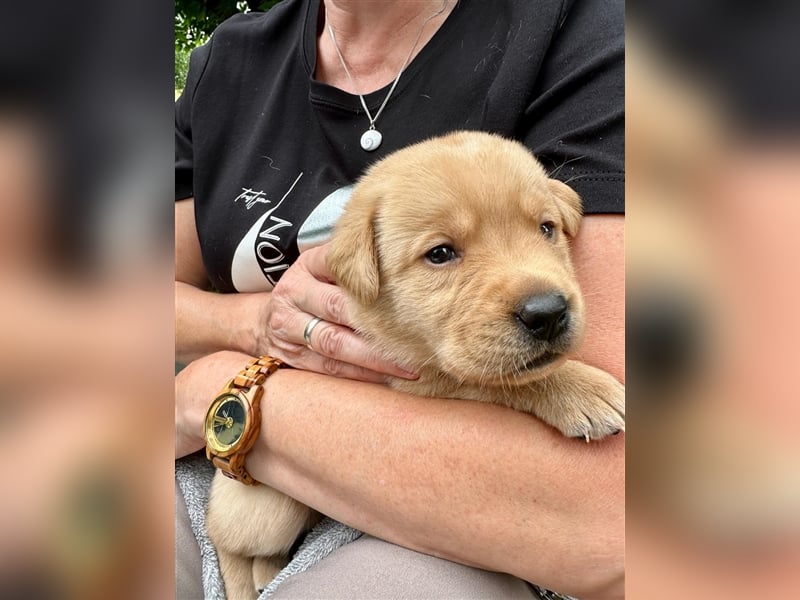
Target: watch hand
[(226, 421)]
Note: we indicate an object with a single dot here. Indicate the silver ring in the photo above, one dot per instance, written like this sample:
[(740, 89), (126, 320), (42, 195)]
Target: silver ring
[(309, 328)]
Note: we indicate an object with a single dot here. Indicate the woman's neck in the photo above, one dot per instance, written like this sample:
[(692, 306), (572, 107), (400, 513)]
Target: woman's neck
[(375, 38)]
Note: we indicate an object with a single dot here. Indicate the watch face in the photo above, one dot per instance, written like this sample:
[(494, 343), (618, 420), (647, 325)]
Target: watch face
[(229, 420)]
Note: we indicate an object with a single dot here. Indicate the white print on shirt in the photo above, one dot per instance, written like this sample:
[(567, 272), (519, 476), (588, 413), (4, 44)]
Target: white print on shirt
[(251, 197), (258, 255)]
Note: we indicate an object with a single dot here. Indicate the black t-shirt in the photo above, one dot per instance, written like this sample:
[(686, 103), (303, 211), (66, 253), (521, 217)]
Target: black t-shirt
[(270, 154)]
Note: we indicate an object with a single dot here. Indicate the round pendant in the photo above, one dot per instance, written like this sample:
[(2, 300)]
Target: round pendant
[(371, 140)]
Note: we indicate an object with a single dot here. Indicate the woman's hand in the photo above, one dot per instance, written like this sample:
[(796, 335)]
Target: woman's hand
[(270, 323), (305, 292)]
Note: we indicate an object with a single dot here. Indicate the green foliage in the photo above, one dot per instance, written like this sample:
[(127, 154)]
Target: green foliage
[(181, 67), (195, 20)]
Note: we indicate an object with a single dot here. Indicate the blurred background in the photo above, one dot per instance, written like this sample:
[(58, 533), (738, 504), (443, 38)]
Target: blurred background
[(86, 305), (86, 309), (712, 247)]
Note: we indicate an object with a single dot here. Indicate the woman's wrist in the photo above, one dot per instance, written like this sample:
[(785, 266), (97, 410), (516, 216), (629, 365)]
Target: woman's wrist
[(208, 322), (249, 331)]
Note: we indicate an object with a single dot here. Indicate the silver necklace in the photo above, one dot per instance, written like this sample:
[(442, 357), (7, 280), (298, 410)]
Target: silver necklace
[(371, 139)]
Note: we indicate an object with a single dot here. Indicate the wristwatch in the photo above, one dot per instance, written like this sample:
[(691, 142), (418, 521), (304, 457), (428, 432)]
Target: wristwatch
[(233, 420)]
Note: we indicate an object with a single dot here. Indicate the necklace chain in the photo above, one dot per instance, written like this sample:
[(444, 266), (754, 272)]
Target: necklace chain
[(372, 119)]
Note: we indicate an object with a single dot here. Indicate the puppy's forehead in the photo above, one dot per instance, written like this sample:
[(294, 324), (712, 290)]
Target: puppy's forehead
[(463, 170)]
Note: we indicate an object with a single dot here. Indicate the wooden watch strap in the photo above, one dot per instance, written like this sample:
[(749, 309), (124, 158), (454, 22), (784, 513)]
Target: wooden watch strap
[(233, 467), (256, 372)]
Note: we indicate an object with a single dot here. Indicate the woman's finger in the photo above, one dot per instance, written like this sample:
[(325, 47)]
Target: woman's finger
[(337, 368), (306, 305), (342, 344), (318, 294), (327, 341), (301, 357), (304, 288)]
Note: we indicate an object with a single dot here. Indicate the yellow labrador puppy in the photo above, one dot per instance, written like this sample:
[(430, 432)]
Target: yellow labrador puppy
[(456, 254)]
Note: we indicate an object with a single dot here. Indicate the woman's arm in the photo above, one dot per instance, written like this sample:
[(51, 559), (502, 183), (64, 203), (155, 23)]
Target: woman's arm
[(466, 481), (598, 253), (205, 321)]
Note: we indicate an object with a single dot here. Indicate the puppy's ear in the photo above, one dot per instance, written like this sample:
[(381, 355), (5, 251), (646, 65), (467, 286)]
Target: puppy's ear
[(353, 255), (569, 205)]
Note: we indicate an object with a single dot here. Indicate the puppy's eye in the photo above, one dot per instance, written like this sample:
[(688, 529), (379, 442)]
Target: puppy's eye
[(548, 229), (441, 254)]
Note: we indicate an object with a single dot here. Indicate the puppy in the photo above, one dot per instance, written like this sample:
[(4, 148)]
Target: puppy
[(455, 252)]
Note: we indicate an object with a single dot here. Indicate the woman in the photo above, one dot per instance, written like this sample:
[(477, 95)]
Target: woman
[(278, 119)]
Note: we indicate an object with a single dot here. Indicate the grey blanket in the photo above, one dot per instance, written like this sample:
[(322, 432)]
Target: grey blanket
[(194, 475)]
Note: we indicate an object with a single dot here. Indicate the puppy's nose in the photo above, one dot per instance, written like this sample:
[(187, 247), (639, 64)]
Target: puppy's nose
[(545, 315)]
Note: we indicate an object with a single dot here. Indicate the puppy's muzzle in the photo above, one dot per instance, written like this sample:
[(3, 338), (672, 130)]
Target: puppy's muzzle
[(545, 316)]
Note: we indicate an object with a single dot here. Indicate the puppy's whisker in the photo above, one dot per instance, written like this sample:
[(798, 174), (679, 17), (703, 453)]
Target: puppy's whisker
[(592, 294), (571, 179), (487, 366), (562, 165), (427, 361)]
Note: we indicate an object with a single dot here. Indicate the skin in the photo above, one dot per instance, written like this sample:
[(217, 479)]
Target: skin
[(375, 39)]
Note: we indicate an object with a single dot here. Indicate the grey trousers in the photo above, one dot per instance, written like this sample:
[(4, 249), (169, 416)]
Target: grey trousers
[(367, 568)]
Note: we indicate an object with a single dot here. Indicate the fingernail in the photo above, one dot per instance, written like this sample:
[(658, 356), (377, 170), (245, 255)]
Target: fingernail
[(408, 374)]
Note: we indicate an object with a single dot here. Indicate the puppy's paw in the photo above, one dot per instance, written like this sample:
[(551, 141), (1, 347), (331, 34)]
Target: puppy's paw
[(594, 415), (583, 402)]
